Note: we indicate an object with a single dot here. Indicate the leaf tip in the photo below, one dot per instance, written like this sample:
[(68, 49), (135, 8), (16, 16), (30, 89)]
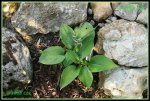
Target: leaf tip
[(61, 87)]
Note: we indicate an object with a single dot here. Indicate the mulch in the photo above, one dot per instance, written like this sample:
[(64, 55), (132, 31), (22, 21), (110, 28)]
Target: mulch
[(45, 83)]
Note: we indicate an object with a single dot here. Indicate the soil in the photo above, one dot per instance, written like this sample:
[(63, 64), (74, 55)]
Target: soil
[(46, 78)]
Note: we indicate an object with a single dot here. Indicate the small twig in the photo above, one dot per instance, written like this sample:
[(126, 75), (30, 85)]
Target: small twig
[(40, 90), (38, 44), (36, 94), (58, 40), (38, 70)]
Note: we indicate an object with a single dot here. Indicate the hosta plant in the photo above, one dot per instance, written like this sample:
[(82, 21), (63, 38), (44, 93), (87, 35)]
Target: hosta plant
[(78, 45)]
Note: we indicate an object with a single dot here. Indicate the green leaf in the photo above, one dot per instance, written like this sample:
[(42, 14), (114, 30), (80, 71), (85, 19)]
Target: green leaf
[(73, 56), (86, 76), (66, 35), (52, 55), (87, 45), (70, 57), (77, 48), (84, 30), (67, 60), (68, 75), (100, 63), (78, 32)]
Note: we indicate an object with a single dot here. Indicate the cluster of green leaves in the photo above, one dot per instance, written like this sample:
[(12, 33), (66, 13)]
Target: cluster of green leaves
[(79, 43)]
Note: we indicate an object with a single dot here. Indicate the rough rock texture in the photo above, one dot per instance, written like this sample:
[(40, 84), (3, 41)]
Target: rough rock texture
[(17, 69), (143, 17), (101, 10), (112, 18), (125, 82), (46, 17), (9, 8), (115, 5), (125, 42), (127, 11)]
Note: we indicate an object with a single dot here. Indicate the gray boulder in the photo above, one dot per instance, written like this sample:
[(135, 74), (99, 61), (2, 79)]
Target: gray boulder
[(124, 41), (46, 17), (143, 17), (126, 82), (132, 11), (127, 11), (17, 69)]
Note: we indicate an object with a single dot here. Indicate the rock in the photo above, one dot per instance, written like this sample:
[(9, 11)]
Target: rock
[(112, 18), (108, 21), (115, 5), (45, 17), (92, 22), (142, 17), (126, 82), (130, 11), (127, 11), (101, 10), (17, 69), (101, 24), (124, 41), (9, 8), (90, 12)]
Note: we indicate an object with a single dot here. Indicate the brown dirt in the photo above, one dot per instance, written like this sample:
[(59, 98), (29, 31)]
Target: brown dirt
[(46, 78)]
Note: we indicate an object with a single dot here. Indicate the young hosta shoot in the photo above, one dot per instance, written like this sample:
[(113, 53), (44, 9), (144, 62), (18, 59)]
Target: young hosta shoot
[(79, 43)]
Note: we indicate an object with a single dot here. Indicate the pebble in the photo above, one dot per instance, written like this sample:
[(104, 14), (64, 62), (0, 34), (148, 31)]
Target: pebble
[(101, 24), (113, 18), (90, 11), (53, 93), (92, 22), (108, 21)]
